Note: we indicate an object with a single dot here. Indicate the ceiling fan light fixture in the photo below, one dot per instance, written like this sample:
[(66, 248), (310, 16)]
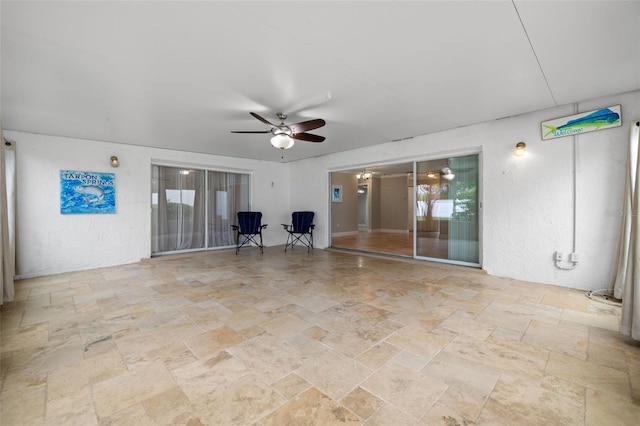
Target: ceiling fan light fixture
[(284, 135), (282, 141)]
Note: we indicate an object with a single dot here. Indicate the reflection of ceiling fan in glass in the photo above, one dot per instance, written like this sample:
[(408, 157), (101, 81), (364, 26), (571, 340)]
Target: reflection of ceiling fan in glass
[(284, 134), (445, 172), (364, 175)]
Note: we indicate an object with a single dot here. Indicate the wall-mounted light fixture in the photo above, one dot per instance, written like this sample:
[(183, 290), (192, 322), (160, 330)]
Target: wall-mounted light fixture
[(114, 161), (520, 147)]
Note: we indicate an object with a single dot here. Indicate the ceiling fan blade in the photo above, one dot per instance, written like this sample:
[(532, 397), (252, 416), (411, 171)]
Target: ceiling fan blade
[(308, 137), (307, 125), (262, 119), (251, 131)]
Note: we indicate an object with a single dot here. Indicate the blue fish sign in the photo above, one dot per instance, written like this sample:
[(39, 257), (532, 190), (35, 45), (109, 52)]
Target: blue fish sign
[(87, 192), (582, 123)]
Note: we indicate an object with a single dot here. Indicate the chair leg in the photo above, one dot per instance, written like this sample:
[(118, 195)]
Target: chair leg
[(240, 243), (249, 240), (286, 243), (294, 240), (304, 239)]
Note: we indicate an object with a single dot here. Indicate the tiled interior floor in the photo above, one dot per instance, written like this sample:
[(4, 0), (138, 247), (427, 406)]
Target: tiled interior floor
[(400, 244), (395, 243), (320, 339)]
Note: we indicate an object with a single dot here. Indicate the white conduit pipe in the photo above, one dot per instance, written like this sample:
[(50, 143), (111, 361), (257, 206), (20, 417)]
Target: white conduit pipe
[(574, 245)]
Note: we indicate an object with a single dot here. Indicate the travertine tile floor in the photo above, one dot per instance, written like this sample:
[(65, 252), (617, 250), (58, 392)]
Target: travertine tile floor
[(297, 339)]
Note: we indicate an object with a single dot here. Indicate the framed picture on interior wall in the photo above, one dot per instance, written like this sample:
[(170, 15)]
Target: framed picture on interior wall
[(87, 192), (336, 193)]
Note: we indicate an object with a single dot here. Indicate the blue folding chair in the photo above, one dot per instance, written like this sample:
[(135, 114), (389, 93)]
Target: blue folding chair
[(300, 230), (249, 230)]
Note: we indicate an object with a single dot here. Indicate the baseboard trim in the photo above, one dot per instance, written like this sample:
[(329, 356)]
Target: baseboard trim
[(344, 234)]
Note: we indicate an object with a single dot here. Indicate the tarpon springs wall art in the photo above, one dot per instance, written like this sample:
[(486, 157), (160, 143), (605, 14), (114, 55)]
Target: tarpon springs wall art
[(87, 192)]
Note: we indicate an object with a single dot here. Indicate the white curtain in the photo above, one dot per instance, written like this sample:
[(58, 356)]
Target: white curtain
[(627, 278), (7, 219), (229, 195), (180, 225), (178, 212)]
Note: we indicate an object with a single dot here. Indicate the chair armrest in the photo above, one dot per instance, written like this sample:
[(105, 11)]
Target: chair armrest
[(263, 226), (285, 226), (312, 226), (235, 227)]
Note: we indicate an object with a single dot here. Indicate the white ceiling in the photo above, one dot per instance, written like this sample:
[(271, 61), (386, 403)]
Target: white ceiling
[(182, 75)]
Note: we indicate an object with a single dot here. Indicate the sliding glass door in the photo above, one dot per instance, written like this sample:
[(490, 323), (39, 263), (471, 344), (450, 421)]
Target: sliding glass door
[(228, 194), (178, 210), (447, 216), (194, 209)]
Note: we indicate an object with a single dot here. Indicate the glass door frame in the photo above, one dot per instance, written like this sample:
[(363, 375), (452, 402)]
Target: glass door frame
[(414, 161), (480, 210), (207, 170)]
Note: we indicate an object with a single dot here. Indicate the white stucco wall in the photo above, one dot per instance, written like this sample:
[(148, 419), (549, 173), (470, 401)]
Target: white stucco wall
[(49, 242), (528, 203)]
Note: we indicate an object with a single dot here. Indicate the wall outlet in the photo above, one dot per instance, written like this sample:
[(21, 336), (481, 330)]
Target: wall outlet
[(559, 257)]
